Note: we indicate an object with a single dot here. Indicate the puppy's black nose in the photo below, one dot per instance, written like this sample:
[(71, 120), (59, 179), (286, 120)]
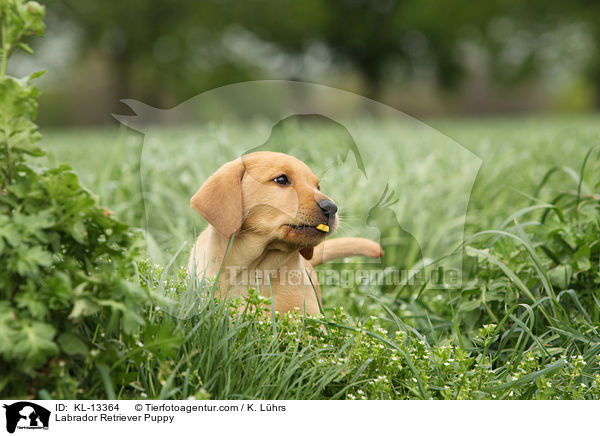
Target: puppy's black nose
[(328, 207)]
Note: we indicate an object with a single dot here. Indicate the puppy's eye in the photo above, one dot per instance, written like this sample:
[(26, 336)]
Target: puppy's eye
[(281, 180), (318, 187)]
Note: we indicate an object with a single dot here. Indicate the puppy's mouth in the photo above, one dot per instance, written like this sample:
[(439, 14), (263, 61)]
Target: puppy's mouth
[(308, 230)]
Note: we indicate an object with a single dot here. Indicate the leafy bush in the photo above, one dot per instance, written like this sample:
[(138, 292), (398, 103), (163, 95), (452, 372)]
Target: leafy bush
[(68, 268)]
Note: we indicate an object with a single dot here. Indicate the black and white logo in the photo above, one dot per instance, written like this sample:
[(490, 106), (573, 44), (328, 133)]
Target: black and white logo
[(24, 415)]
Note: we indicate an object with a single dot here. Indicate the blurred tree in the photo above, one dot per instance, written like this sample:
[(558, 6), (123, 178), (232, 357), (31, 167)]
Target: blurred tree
[(155, 47), (159, 44), (176, 48), (575, 11), (370, 34)]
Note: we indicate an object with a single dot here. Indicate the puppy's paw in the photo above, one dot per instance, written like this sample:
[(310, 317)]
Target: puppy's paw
[(373, 249)]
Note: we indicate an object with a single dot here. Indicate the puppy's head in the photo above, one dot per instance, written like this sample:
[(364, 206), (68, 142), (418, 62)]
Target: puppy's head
[(270, 194)]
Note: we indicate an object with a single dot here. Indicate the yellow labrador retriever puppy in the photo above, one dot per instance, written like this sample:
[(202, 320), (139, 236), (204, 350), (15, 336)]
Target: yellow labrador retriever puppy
[(272, 206)]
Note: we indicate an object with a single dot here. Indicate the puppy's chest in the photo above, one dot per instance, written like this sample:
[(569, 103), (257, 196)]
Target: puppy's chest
[(290, 285), (284, 276)]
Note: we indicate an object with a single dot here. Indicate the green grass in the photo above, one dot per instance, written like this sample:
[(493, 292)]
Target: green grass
[(515, 154), (523, 324)]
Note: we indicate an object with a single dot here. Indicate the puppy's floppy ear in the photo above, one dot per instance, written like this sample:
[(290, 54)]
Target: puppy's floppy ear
[(219, 199)]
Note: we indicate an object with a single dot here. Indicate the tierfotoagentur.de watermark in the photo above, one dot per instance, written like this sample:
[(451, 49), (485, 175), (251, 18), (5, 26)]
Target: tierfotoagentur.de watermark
[(436, 278)]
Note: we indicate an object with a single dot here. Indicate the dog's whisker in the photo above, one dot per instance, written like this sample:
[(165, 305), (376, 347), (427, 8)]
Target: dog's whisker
[(349, 224), (343, 229)]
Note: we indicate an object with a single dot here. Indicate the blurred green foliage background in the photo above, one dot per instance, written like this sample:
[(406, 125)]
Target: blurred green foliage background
[(423, 57)]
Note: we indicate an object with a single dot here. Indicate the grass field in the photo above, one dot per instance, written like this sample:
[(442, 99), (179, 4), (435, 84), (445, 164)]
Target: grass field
[(523, 323), (516, 153)]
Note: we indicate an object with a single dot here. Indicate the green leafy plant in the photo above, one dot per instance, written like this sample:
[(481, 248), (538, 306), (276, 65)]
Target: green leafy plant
[(67, 281)]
